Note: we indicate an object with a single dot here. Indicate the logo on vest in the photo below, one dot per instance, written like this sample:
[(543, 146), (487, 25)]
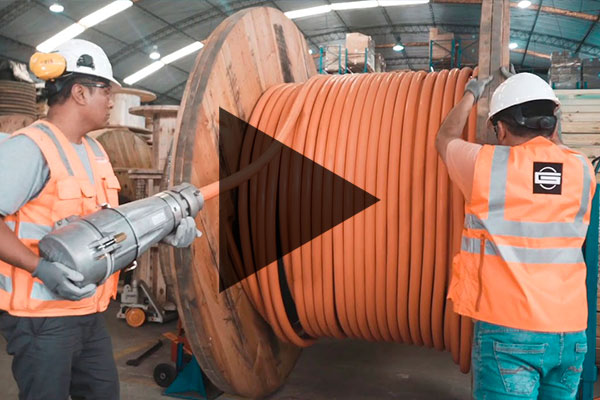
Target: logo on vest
[(547, 178)]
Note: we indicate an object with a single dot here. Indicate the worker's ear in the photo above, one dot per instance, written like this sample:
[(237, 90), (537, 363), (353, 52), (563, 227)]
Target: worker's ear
[(79, 94), (501, 132)]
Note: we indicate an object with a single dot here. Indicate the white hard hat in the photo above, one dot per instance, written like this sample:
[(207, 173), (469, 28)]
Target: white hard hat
[(518, 89), (86, 58)]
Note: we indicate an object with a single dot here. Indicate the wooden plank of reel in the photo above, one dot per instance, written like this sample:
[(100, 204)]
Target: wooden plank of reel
[(249, 52)]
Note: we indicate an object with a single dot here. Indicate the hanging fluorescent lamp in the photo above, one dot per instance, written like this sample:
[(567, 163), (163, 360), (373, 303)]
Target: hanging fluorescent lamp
[(308, 12), (354, 5), (349, 5), (84, 23), (393, 3), (169, 58), (398, 47), (513, 45)]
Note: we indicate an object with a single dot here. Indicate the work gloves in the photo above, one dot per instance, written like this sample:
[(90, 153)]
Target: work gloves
[(508, 72), (61, 279), (477, 86), (184, 235)]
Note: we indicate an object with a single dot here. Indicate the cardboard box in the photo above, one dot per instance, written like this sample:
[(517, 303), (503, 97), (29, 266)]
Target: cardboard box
[(335, 58), (442, 46), (379, 62), (361, 50)]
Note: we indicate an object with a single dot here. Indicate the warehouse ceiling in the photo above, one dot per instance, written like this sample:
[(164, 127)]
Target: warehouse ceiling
[(128, 37)]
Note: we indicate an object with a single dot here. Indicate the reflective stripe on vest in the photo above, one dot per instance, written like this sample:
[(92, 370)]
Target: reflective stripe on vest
[(95, 148), (495, 224), (5, 283), (555, 255), (61, 151), (41, 292), (29, 230)]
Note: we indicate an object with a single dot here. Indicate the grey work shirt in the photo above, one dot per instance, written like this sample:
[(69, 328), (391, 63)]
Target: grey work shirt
[(24, 171)]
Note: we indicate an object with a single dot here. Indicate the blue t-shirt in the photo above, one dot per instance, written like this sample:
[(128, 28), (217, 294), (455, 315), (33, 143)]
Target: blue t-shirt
[(24, 171)]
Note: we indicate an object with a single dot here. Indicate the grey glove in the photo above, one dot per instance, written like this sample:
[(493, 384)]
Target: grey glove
[(477, 86), (184, 235), (60, 279), (507, 73)]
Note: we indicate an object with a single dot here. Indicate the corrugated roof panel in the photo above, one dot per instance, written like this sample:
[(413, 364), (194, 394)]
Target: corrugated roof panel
[(163, 80), (203, 31), (416, 14), (77, 9), (568, 28), (127, 27), (110, 46), (290, 5), (369, 16), (181, 10), (41, 24), (457, 14)]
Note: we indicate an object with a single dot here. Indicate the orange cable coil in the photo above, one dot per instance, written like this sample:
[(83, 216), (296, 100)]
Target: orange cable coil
[(382, 274)]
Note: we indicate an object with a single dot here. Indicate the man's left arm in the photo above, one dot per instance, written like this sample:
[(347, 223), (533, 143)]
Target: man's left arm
[(453, 125)]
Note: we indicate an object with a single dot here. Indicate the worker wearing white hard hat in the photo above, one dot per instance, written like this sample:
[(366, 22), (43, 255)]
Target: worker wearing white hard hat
[(523, 198), (54, 328)]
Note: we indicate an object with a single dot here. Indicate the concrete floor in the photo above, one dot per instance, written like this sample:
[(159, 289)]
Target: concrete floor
[(330, 370)]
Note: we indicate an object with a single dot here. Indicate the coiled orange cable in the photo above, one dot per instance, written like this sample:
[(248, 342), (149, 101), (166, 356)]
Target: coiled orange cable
[(383, 274)]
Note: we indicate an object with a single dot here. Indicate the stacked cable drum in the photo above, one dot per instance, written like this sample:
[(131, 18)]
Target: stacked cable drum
[(17, 105), (382, 274)]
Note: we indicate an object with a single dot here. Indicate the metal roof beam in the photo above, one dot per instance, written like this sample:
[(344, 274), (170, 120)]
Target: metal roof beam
[(592, 26), (14, 10), (174, 27), (166, 31), (396, 35), (551, 40), (537, 14), (301, 31), (534, 7)]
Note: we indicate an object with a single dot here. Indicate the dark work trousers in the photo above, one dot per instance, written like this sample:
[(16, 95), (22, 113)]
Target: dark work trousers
[(55, 357)]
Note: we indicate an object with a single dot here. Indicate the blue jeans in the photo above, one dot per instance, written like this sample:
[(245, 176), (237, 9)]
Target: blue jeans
[(512, 363)]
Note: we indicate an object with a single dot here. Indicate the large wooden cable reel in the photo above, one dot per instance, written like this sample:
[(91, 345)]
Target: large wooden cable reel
[(249, 52), (249, 57)]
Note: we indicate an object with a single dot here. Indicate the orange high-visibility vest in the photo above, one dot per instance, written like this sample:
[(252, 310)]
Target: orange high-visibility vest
[(68, 192), (521, 263)]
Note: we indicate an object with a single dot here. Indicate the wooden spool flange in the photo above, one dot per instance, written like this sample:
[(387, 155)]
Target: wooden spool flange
[(247, 53)]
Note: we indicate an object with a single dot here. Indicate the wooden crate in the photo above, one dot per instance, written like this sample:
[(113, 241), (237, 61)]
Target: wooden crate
[(580, 126), (580, 119)]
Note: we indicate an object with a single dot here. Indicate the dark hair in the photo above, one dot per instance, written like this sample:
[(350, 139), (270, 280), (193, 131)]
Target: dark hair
[(59, 90), (529, 119)]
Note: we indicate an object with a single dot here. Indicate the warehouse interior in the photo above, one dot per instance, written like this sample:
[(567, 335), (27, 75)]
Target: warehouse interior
[(289, 293)]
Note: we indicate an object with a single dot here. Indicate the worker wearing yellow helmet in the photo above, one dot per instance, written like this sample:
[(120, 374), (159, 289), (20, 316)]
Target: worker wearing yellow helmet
[(520, 273)]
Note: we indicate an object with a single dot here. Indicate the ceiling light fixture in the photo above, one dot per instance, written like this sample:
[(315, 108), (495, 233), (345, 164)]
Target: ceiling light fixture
[(307, 12), (154, 54), (156, 65), (513, 45), (176, 55), (353, 5), (310, 51), (144, 72), (398, 47), (393, 3), (349, 5), (524, 4), (56, 8), (84, 23)]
